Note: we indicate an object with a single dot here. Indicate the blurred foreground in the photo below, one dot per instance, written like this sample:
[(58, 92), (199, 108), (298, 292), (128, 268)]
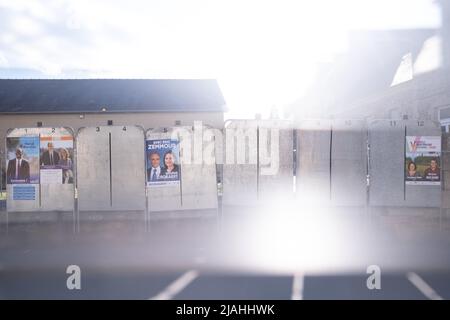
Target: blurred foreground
[(237, 254)]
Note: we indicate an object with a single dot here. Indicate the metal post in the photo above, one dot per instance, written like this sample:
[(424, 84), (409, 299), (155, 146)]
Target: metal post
[(2, 160)]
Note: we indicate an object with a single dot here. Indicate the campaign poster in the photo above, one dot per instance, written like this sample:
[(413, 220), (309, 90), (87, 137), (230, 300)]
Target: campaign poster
[(423, 160), (56, 159), (22, 160), (163, 162)]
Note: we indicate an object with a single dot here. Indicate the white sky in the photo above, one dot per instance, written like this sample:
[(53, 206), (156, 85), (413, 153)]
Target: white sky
[(263, 53)]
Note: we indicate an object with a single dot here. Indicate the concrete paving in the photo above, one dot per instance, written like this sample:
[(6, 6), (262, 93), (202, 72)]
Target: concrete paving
[(234, 256)]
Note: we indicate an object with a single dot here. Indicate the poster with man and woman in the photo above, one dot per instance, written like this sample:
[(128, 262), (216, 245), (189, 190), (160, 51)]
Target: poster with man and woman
[(422, 160), (163, 162), (56, 164)]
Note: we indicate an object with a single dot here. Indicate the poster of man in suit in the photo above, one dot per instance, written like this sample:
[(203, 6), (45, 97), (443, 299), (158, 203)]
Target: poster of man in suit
[(163, 167), (49, 157), (22, 160)]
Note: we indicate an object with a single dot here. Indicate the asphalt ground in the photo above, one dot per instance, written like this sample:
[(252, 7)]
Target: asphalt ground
[(234, 256)]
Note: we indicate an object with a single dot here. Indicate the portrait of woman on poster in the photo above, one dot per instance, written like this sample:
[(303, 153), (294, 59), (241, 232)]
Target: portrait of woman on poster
[(67, 176), (169, 164), (411, 173), (64, 158)]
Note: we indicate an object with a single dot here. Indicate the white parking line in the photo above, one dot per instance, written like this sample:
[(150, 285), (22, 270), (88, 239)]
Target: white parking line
[(177, 286), (297, 287), (423, 287)]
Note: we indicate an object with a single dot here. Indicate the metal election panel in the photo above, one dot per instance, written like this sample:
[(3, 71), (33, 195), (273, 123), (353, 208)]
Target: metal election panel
[(423, 195), (111, 168), (349, 163), (386, 158), (128, 167), (56, 196), (29, 200), (313, 161), (240, 171), (93, 169), (198, 169), (387, 141), (275, 181), (165, 197), (446, 170), (50, 192)]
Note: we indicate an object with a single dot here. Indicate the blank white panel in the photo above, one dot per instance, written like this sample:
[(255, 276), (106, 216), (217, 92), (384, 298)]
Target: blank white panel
[(275, 185), (93, 169), (240, 178), (349, 163), (313, 161), (128, 168)]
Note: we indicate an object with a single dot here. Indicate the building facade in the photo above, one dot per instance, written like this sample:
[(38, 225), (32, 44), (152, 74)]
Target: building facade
[(100, 102)]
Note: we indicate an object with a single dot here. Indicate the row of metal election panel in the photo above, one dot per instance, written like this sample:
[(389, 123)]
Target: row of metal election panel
[(339, 162)]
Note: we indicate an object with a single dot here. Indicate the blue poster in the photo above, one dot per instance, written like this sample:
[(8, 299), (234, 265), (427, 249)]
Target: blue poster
[(163, 162), (22, 160), (24, 192)]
